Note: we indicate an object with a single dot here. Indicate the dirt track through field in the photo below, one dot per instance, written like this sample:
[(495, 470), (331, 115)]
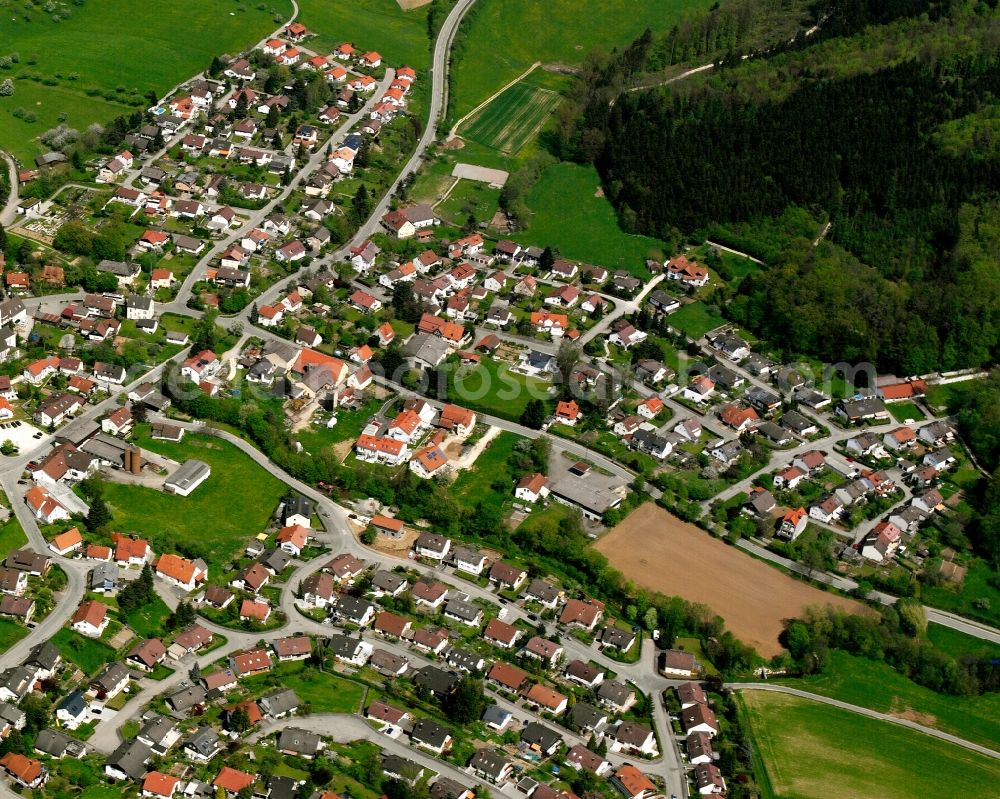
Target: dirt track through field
[(656, 550)]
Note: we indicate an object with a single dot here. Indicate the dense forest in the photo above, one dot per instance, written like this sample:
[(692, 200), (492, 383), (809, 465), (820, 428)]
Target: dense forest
[(900, 158), (978, 415)]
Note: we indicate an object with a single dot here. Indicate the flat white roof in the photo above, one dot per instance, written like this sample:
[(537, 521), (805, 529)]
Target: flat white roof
[(495, 177)]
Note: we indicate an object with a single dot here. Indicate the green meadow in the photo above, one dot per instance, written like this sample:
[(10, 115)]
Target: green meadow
[(103, 58), (502, 38), (810, 750)]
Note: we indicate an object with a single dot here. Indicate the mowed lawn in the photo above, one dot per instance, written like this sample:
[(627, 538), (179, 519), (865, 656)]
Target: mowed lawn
[(150, 619), (10, 633), (11, 535), (815, 751), (866, 683), (234, 503), (107, 46), (505, 37), (901, 411), (399, 36), (513, 118), (569, 213)]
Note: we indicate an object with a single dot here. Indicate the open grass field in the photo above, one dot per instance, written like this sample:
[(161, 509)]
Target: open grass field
[(95, 46), (48, 103), (326, 693), (235, 502), (571, 214), (977, 585), (399, 36), (475, 484), (656, 550), (695, 319), (86, 653), (504, 37), (957, 644), (149, 620), (316, 438), (814, 751), (469, 197), (491, 388), (941, 395), (545, 519), (513, 118), (878, 686)]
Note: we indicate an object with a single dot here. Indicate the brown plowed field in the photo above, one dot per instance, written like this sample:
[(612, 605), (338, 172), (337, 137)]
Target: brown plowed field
[(656, 550)]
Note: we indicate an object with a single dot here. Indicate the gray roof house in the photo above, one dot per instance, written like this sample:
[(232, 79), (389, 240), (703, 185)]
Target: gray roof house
[(203, 744), (159, 733), (435, 680), (186, 698), (57, 744), (463, 611), (128, 761), (104, 577), (428, 733), (279, 703), (294, 741), (543, 738)]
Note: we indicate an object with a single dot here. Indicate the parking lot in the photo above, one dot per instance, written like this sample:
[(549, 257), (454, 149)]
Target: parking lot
[(25, 436)]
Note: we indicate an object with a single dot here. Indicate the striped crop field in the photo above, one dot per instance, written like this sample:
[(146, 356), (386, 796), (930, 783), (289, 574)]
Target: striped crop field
[(513, 118)]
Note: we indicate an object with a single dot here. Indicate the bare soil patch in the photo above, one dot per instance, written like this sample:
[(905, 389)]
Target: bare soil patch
[(655, 549), (409, 5), (342, 449), (900, 711), (394, 546)]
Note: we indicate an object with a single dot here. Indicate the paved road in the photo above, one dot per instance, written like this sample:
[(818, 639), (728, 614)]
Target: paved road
[(864, 711), (440, 65), (622, 308), (9, 212), (963, 625)]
